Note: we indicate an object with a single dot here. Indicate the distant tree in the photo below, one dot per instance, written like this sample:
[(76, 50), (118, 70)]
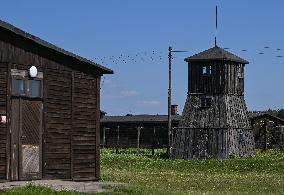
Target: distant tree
[(272, 112), (280, 113)]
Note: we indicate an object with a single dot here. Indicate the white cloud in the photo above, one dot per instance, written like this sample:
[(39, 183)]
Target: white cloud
[(151, 103), (129, 93)]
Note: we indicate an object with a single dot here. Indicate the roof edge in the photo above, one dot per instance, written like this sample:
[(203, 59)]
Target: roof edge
[(41, 42), (215, 53), (217, 59)]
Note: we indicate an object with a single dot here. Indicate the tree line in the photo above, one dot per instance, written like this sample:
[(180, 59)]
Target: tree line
[(278, 113)]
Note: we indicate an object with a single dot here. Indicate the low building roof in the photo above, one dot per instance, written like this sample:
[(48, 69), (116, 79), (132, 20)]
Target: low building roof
[(37, 40), (147, 118), (261, 115), (144, 118), (215, 53)]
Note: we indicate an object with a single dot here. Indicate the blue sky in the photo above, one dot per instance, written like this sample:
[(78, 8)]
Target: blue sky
[(132, 38)]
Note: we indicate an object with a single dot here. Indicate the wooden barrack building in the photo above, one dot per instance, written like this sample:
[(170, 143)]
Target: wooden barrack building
[(268, 130), (49, 109), (136, 131)]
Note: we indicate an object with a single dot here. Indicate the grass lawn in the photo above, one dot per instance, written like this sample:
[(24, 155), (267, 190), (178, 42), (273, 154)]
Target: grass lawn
[(147, 174)]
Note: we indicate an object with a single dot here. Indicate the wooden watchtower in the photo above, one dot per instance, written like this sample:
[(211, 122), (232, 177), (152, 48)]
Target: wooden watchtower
[(214, 122)]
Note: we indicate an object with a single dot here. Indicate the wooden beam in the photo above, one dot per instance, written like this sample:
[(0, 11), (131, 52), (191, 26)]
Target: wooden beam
[(98, 115), (8, 124), (153, 140), (104, 136), (72, 126), (138, 137), (117, 140)]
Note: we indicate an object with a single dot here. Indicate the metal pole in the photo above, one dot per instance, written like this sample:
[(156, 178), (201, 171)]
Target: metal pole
[(169, 102)]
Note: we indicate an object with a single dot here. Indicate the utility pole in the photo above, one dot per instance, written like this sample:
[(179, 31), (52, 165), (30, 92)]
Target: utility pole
[(170, 103), (170, 132)]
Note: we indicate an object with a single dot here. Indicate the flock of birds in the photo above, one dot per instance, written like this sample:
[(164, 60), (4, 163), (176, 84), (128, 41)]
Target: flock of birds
[(127, 58), (261, 53), (155, 56)]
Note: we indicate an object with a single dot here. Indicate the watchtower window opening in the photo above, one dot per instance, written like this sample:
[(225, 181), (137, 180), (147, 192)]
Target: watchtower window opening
[(205, 102), (206, 70)]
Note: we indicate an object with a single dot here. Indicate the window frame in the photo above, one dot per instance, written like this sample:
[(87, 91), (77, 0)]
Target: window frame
[(23, 75), (40, 88), (24, 90)]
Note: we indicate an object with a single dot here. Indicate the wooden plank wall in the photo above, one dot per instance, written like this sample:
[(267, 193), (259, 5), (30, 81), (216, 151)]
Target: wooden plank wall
[(58, 110), (85, 123), (201, 143), (58, 122), (269, 132), (223, 80), (3, 127)]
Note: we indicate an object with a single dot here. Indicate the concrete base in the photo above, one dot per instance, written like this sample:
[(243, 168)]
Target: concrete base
[(59, 185)]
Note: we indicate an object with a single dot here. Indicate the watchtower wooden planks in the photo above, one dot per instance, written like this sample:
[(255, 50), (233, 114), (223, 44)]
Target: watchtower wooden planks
[(49, 125), (214, 122)]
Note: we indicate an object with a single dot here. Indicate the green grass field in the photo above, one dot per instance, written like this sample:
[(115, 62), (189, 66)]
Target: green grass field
[(147, 174)]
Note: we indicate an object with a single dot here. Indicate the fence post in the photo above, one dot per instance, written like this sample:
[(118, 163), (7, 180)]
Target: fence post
[(282, 137), (117, 140), (153, 140), (138, 137), (265, 135)]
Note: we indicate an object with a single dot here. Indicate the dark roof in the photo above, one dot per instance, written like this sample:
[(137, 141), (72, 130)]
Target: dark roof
[(145, 118), (261, 115), (46, 44), (215, 53)]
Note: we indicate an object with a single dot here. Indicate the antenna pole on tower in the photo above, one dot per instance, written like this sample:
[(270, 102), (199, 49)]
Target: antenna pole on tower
[(216, 15)]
